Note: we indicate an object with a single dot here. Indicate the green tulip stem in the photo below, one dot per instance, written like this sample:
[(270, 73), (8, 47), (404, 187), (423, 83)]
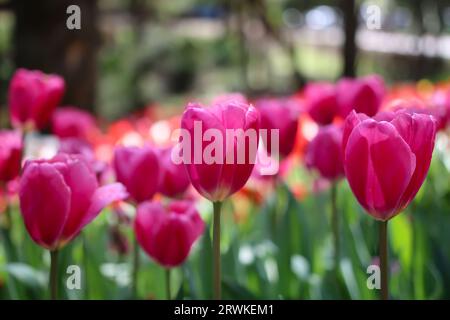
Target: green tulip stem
[(134, 290), (53, 283), (335, 225), (216, 250), (6, 234), (168, 294), (384, 263)]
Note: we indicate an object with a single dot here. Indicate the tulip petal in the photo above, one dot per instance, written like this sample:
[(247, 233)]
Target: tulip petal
[(419, 132), (44, 203), (103, 197), (235, 175), (83, 184), (352, 120)]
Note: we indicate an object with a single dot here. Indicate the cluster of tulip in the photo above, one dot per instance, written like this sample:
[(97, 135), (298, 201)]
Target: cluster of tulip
[(381, 143)]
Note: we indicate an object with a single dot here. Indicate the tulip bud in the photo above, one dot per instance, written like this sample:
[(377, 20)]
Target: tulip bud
[(33, 96), (10, 155), (220, 164), (324, 152), (138, 169), (59, 197), (167, 233), (386, 159)]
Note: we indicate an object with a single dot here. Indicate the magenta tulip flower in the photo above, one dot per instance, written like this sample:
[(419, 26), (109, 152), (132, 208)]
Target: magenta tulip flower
[(321, 102), (33, 96), (280, 114), (71, 122), (216, 178), (139, 170), (324, 152), (364, 95), (10, 155), (59, 197), (219, 147), (386, 159), (174, 178), (167, 233)]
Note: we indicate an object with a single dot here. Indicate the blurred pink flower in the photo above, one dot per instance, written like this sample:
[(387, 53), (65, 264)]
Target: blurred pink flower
[(139, 170), (33, 96), (364, 95), (167, 233), (324, 152), (71, 122), (174, 178), (10, 155), (321, 102), (281, 114)]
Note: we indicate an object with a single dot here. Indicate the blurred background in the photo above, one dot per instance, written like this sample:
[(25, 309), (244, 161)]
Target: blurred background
[(131, 54)]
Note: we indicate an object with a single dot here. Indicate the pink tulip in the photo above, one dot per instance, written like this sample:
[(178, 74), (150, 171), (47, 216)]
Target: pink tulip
[(59, 197), (174, 178), (10, 155), (167, 233), (280, 114), (321, 102), (364, 95), (386, 159), (70, 122), (33, 96), (139, 170), (219, 179), (324, 152)]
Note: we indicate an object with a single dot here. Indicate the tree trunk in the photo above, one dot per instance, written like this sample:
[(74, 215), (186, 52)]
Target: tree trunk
[(43, 41), (350, 23)]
